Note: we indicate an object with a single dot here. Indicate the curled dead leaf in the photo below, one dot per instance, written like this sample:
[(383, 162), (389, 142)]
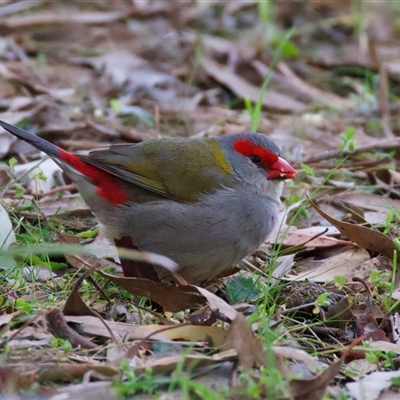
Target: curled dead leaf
[(169, 296), (367, 238)]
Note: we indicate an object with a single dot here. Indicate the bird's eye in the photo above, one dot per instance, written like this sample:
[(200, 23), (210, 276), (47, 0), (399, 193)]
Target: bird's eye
[(255, 159)]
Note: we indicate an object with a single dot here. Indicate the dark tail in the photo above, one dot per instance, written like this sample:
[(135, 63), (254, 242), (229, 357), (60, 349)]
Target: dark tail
[(43, 145)]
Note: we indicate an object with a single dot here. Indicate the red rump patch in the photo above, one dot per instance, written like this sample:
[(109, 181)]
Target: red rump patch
[(248, 148), (108, 186)]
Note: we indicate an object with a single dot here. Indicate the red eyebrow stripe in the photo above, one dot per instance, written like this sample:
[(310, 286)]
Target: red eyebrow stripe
[(248, 148), (108, 186)]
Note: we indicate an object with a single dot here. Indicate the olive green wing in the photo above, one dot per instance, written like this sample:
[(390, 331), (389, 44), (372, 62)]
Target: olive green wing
[(177, 169)]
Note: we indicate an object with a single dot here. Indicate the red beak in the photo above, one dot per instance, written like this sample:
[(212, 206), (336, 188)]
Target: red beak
[(281, 169)]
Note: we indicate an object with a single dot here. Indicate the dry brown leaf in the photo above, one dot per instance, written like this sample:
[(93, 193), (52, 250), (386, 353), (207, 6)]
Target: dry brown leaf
[(348, 263), (383, 345), (368, 201), (213, 335), (142, 287), (300, 237), (367, 238), (135, 268), (283, 265), (167, 365), (314, 93), (297, 355), (350, 53), (216, 304), (67, 205), (242, 88), (75, 262), (169, 296), (6, 318), (249, 348), (367, 326), (315, 388), (74, 304), (375, 217), (373, 385), (93, 326), (70, 372), (30, 172)]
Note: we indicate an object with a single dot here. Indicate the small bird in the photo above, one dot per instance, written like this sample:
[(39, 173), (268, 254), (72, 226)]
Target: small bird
[(204, 203)]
